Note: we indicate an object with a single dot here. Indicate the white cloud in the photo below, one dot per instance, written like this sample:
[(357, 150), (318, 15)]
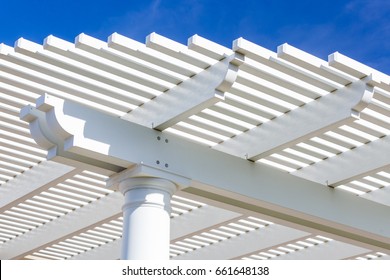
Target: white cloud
[(157, 16)]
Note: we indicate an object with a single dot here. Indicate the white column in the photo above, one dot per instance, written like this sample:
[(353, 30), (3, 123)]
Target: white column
[(146, 218)]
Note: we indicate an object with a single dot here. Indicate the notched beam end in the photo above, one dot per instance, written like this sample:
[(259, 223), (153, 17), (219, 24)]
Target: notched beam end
[(235, 61), (46, 102), (366, 98), (27, 114), (33, 116)]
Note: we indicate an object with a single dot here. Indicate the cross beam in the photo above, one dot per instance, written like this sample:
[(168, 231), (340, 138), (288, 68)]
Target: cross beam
[(189, 97), (352, 164), (326, 113)]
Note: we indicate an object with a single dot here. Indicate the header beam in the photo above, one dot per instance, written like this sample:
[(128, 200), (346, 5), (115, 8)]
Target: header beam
[(78, 137)]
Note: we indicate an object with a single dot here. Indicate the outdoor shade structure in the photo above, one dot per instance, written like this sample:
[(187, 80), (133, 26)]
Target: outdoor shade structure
[(157, 150)]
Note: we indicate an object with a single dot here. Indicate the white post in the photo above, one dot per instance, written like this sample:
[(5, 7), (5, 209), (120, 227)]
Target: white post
[(146, 218)]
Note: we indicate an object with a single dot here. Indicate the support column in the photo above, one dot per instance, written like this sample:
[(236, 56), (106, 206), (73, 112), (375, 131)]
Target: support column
[(146, 218)]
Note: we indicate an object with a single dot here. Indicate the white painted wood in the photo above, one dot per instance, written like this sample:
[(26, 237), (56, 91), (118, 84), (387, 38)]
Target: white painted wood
[(108, 251), (99, 54), (33, 181), (350, 165), (208, 48), (307, 76), (213, 173), (178, 51), (79, 220), (101, 77), (332, 250), (270, 71), (381, 196), (313, 64), (330, 111), (250, 49), (354, 67), (119, 75), (139, 50), (244, 244), (188, 98), (200, 219)]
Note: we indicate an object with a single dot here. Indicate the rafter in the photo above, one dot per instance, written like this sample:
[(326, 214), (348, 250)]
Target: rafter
[(33, 181), (332, 250), (243, 244), (66, 226)]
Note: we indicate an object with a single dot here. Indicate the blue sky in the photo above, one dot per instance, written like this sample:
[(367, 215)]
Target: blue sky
[(357, 28)]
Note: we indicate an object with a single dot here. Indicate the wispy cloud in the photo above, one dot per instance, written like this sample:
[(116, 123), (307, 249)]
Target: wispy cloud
[(371, 28), (369, 11), (357, 28), (157, 16)]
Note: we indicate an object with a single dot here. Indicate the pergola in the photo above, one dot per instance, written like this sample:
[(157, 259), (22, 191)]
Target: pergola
[(241, 153)]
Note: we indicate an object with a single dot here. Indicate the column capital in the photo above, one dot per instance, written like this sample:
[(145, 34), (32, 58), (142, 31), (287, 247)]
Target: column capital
[(147, 182), (142, 175)]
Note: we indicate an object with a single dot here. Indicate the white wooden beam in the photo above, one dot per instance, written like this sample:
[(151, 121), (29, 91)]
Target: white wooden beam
[(108, 251), (209, 216), (330, 111), (79, 139), (332, 250), (208, 48), (188, 98), (167, 64), (381, 196), (33, 181), (355, 68), (201, 218), (266, 215), (178, 51), (80, 220), (284, 222), (352, 164), (313, 64), (244, 244)]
